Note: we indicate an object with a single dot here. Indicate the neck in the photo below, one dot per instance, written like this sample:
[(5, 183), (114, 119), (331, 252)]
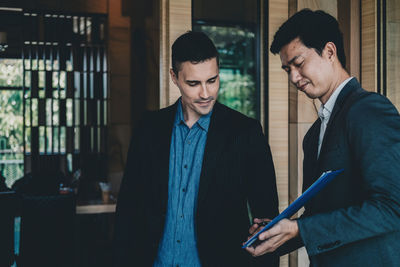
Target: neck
[(341, 76), (190, 117)]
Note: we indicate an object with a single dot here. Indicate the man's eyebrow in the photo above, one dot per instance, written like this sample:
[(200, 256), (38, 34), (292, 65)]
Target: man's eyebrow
[(212, 78), (195, 81), (289, 62)]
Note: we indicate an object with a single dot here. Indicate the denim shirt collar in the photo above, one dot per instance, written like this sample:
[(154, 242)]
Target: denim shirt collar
[(203, 122)]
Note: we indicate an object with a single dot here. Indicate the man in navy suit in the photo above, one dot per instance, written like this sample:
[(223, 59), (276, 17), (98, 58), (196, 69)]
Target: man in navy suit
[(193, 170), (355, 220)]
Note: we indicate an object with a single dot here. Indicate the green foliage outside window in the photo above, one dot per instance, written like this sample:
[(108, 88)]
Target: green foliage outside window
[(237, 91), (10, 73), (237, 66), (11, 120)]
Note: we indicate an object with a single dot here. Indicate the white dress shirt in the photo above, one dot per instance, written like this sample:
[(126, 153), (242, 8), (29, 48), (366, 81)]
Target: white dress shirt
[(325, 111)]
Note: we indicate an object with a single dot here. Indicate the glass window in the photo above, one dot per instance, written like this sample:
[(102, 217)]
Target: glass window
[(234, 26), (10, 72), (11, 120), (236, 46)]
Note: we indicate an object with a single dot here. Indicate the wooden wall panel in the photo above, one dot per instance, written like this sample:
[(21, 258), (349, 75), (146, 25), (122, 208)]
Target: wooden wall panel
[(392, 52), (326, 5), (368, 45), (355, 23), (120, 107), (119, 51), (278, 104), (349, 21), (176, 19), (119, 58), (92, 6)]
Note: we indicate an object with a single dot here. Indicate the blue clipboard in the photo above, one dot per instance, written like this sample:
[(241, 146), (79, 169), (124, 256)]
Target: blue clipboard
[(319, 184)]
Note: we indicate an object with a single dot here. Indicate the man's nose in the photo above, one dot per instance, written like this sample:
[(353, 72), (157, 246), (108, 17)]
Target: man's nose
[(204, 91), (295, 76)]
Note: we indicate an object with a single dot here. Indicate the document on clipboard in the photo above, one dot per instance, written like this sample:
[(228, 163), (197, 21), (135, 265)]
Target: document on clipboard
[(319, 184)]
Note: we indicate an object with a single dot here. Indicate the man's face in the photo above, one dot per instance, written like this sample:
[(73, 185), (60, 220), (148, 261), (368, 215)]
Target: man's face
[(199, 85), (310, 72)]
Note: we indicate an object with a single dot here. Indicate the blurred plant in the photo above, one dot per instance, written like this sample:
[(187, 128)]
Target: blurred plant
[(10, 72), (238, 92), (236, 46), (11, 119)]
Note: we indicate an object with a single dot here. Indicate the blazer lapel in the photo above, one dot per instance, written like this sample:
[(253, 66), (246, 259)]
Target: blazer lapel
[(344, 94), (163, 150), (214, 147), (311, 154)]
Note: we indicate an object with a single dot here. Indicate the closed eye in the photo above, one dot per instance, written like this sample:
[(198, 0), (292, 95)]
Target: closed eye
[(212, 79), (192, 83), (298, 65)]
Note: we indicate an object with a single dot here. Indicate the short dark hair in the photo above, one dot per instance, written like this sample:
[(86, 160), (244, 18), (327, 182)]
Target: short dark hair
[(194, 47), (314, 29)]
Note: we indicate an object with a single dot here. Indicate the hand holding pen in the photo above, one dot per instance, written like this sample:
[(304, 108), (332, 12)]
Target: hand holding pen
[(258, 224)]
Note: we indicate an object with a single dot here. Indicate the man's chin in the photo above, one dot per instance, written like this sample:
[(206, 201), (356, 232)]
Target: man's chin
[(311, 96), (204, 110)]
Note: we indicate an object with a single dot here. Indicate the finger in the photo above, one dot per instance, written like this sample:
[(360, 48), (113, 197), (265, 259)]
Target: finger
[(253, 228), (261, 249), (276, 230), (268, 246), (257, 220), (251, 250), (268, 234), (275, 242)]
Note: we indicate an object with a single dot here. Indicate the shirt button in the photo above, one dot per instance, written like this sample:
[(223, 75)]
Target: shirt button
[(185, 166), (178, 241), (183, 190), (182, 216)]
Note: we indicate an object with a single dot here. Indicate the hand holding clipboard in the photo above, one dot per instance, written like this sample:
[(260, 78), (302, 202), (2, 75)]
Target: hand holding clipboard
[(319, 184)]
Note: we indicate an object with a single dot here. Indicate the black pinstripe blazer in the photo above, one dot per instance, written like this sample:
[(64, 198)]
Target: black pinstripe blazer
[(237, 169)]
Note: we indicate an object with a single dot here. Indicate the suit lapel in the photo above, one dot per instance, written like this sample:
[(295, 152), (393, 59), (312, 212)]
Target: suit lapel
[(344, 94), (164, 143), (214, 147), (311, 153)]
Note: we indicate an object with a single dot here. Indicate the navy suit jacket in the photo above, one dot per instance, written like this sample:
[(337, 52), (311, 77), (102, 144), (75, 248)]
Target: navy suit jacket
[(355, 220), (237, 170)]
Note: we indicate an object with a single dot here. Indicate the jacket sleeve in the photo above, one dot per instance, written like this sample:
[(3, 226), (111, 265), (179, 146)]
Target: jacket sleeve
[(373, 132), (261, 183)]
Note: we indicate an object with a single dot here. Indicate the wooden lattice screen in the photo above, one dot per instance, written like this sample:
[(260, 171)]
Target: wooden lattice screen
[(65, 92)]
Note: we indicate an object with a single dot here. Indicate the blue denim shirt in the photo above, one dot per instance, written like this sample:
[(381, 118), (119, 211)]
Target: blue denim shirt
[(178, 246)]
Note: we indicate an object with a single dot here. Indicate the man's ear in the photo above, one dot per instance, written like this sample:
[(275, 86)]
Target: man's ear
[(173, 76), (330, 51)]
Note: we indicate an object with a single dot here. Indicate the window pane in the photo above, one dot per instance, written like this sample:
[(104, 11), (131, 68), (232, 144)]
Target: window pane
[(10, 72), (70, 111), (11, 138), (236, 47)]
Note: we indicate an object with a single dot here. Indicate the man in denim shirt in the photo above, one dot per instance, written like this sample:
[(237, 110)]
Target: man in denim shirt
[(193, 170)]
